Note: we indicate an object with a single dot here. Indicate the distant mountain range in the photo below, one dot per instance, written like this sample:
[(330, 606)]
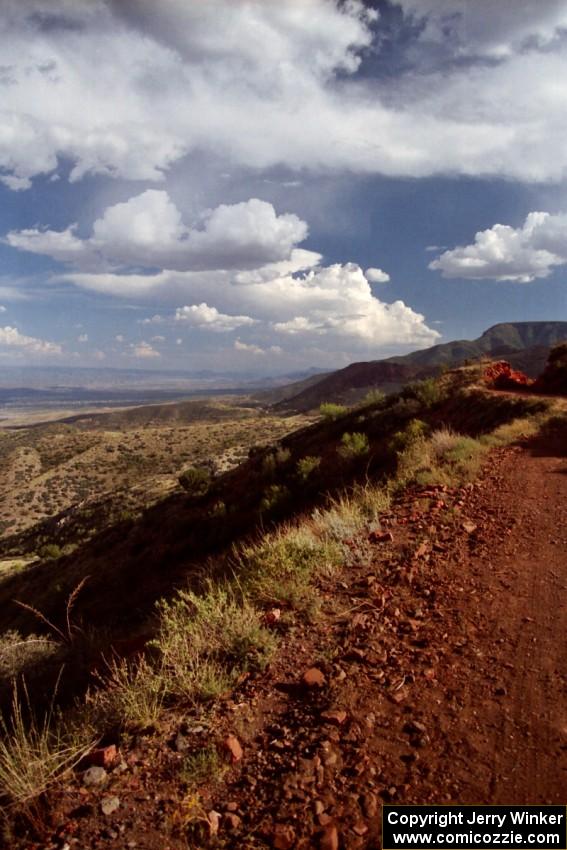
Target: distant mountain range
[(525, 345)]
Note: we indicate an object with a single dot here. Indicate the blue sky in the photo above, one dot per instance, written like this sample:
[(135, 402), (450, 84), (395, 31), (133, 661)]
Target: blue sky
[(271, 186)]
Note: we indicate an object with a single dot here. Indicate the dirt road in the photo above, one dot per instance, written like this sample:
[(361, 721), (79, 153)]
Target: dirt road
[(444, 680)]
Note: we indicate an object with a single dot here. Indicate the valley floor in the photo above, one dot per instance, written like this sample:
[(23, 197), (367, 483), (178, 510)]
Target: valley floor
[(442, 679)]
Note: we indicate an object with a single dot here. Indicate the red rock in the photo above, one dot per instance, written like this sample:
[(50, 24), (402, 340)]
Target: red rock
[(337, 718), (329, 838), (102, 757), (469, 527), (313, 678), (360, 829), (380, 537), (232, 745), (284, 836), (231, 821), (272, 616)]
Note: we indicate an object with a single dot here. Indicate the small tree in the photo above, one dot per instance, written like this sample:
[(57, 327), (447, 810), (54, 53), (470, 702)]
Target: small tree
[(195, 481), (354, 445), (373, 396)]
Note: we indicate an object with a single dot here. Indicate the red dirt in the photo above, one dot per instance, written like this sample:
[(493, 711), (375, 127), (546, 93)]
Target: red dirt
[(446, 649)]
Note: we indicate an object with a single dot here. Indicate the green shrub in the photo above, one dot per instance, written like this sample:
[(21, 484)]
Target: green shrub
[(274, 497), (354, 445), (331, 411), (205, 641), (195, 481), (415, 430), (50, 551), (281, 568), (427, 392), (373, 396), (307, 465)]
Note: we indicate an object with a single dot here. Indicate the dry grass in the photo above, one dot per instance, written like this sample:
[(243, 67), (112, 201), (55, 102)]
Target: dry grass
[(35, 754)]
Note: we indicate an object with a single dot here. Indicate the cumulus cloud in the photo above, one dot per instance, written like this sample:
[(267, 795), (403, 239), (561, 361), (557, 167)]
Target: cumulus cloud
[(12, 338), (251, 348), (261, 84), (83, 338), (148, 231), (203, 316), (297, 298), (144, 351), (506, 253), (376, 276)]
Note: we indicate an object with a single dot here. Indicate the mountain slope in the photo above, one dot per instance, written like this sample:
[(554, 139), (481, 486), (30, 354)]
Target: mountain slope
[(525, 344)]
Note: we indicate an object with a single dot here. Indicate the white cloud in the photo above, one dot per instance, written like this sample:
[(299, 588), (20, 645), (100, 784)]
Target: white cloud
[(158, 338), (331, 304), (2, 308), (99, 355), (12, 338), (203, 316), (148, 231), (260, 84), (144, 351), (83, 338), (376, 276), (119, 338), (250, 348), (506, 253)]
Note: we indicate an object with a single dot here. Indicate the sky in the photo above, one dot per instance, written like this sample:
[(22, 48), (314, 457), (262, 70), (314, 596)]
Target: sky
[(274, 185)]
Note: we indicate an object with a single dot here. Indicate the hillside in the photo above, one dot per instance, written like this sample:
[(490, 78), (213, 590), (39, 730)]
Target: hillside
[(524, 344), (298, 595)]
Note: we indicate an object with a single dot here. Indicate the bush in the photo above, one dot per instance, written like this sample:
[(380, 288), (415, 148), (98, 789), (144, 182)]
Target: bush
[(274, 497), (354, 445), (331, 411), (50, 551), (280, 569), (373, 396), (205, 641), (427, 392), (195, 481), (307, 465)]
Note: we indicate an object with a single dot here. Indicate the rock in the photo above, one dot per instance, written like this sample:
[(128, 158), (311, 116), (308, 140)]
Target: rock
[(231, 820), (370, 805), (380, 537), (109, 805), (415, 727), (318, 807), (284, 836), (329, 838), (95, 776), (469, 527), (337, 718), (360, 828), (214, 822), (232, 745), (181, 743), (313, 678), (272, 616), (102, 757), (231, 807)]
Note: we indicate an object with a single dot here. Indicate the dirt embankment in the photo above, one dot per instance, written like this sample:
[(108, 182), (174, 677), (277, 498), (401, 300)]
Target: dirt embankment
[(443, 679)]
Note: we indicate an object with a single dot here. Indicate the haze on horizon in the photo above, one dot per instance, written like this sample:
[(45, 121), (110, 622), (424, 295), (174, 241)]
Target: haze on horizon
[(264, 187)]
